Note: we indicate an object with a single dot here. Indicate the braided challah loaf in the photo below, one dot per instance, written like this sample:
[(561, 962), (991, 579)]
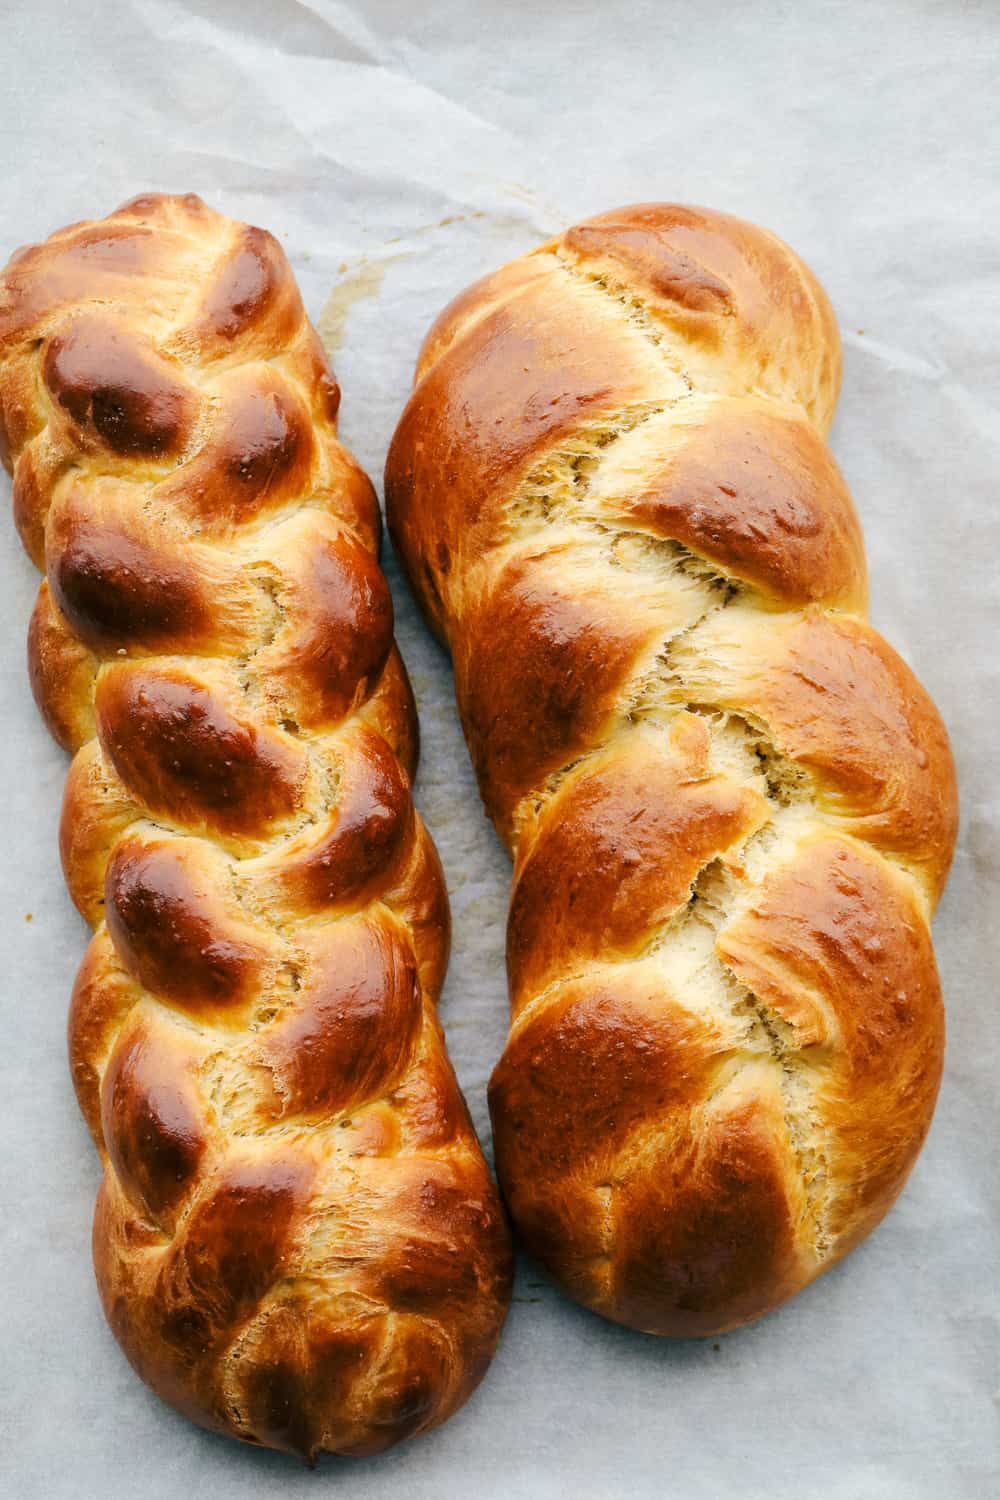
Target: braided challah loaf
[(731, 806), (297, 1240)]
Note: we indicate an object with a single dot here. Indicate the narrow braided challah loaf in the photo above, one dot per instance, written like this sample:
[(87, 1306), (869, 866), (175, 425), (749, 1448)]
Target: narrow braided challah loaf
[(731, 806), (297, 1240)]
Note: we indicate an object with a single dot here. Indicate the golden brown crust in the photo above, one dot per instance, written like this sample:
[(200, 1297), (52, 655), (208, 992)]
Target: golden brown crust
[(731, 805), (297, 1240)]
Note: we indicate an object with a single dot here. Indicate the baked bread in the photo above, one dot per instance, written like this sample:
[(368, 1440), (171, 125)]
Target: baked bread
[(297, 1240), (730, 804)]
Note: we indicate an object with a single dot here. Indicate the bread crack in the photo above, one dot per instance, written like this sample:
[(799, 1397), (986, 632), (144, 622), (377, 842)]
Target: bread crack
[(558, 482), (770, 1037), (637, 312)]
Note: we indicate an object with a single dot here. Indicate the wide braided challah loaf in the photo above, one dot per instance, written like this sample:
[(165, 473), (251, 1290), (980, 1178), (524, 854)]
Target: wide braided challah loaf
[(731, 806), (297, 1240)]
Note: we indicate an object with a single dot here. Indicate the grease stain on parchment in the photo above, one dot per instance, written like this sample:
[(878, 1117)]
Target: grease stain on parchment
[(449, 219), (362, 278), (358, 282)]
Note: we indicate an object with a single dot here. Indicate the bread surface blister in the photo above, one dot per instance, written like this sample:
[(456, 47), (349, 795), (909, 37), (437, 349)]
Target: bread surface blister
[(297, 1240), (730, 804)]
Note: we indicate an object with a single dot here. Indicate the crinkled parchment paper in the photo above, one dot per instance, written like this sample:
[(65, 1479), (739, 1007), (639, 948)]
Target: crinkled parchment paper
[(400, 149)]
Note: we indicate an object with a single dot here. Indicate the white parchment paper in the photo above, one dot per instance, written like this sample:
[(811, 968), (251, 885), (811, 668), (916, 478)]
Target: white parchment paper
[(401, 149)]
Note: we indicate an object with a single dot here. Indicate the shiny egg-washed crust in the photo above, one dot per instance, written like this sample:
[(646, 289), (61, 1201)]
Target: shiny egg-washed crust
[(297, 1240), (730, 804)]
